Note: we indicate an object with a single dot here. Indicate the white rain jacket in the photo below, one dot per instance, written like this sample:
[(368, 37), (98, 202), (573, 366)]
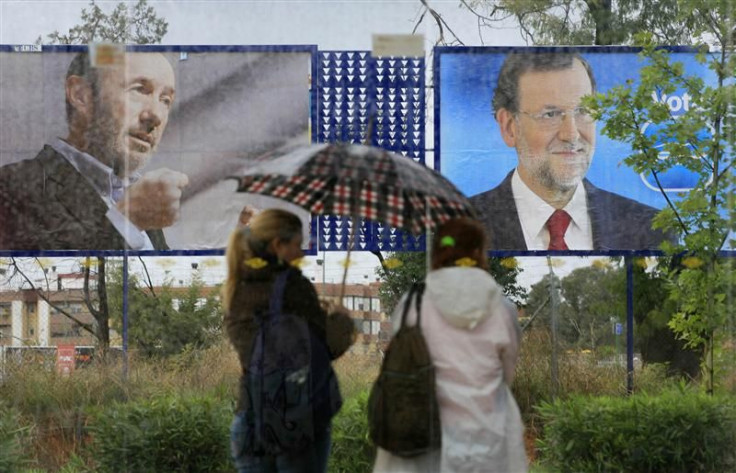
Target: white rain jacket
[(473, 336)]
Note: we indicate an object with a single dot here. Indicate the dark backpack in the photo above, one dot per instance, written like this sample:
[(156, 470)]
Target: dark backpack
[(291, 389), (403, 414)]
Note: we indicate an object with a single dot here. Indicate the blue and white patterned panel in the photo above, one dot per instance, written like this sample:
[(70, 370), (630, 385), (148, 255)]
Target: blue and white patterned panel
[(384, 97)]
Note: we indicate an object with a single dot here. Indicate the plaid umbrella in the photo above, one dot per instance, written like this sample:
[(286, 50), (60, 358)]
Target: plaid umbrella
[(359, 181)]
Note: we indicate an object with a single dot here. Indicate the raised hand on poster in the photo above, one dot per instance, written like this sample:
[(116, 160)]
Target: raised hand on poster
[(154, 201), (246, 215)]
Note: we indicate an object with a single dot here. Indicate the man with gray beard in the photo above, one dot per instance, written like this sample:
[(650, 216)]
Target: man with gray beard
[(86, 191), (546, 203)]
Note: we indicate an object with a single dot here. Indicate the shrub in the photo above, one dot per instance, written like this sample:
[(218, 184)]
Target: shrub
[(168, 433), (12, 440), (352, 449), (578, 374), (671, 433)]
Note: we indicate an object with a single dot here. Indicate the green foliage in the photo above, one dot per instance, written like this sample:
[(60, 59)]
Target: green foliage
[(653, 312), (76, 464), (352, 450), (408, 267), (701, 139), (673, 432), (167, 322), (170, 433), (593, 298), (126, 23), (581, 22), (579, 373), (13, 437), (56, 406), (506, 273), (590, 298), (404, 268)]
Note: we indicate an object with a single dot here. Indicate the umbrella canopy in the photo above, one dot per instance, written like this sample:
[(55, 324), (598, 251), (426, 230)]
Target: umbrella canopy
[(359, 181)]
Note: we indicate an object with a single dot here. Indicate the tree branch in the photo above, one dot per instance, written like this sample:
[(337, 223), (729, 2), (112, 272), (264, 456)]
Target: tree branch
[(669, 202), (87, 298), (149, 283), (440, 22), (534, 315), (488, 18), (16, 268), (526, 32), (419, 22)]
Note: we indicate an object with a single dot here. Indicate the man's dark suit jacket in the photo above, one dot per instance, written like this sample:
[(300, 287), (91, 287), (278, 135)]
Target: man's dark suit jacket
[(45, 204), (618, 223)]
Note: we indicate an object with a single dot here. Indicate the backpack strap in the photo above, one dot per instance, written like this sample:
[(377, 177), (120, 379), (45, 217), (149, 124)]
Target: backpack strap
[(419, 293), (276, 302), (417, 289), (407, 304)]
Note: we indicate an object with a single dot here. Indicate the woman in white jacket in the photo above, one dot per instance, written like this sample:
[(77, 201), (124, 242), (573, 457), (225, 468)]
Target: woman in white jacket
[(473, 337)]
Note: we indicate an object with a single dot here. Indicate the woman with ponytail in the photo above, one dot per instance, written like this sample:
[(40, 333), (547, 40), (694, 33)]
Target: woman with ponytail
[(257, 254), (473, 337)]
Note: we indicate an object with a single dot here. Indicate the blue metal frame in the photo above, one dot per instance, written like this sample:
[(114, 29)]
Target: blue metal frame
[(629, 324), (372, 92), (125, 317), (379, 101)]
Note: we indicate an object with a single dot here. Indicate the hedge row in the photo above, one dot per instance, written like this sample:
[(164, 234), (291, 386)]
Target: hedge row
[(162, 434), (669, 433), (672, 432)]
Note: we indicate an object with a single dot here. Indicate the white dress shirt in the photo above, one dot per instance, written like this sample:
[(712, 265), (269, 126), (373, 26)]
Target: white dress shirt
[(534, 213), (110, 188)]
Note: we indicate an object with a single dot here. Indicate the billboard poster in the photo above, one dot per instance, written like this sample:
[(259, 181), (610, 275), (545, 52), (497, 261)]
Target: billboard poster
[(512, 135), (113, 148)]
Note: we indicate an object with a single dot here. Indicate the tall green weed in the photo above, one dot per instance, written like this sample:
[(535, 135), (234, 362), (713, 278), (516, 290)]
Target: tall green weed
[(13, 439), (352, 449)]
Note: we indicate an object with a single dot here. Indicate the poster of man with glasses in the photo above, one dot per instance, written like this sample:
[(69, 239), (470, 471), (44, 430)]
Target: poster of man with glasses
[(531, 173)]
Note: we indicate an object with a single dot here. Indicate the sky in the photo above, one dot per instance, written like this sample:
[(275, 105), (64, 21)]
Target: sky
[(329, 24)]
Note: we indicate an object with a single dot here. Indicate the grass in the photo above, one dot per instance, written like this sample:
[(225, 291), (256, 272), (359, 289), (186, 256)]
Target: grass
[(356, 372), (54, 405), (535, 468)]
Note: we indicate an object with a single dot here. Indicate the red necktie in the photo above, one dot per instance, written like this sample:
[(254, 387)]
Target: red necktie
[(557, 225)]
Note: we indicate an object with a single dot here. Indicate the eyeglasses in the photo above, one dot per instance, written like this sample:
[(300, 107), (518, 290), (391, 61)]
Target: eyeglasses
[(553, 118)]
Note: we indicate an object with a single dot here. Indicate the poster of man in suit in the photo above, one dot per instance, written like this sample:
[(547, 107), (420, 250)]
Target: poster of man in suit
[(137, 145), (514, 135)]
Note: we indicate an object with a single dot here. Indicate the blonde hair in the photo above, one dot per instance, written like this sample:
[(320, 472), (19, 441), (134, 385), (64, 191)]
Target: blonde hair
[(253, 240)]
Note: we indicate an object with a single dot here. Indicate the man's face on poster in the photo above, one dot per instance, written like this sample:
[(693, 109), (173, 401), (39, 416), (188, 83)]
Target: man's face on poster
[(131, 110), (553, 136)]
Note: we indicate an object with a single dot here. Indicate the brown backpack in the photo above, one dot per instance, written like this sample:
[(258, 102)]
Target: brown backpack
[(403, 414)]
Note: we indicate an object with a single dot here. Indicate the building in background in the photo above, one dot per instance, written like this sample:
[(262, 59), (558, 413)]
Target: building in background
[(372, 324), (26, 319)]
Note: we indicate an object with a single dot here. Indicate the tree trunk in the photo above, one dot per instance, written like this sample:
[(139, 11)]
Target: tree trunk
[(103, 315), (602, 13)]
